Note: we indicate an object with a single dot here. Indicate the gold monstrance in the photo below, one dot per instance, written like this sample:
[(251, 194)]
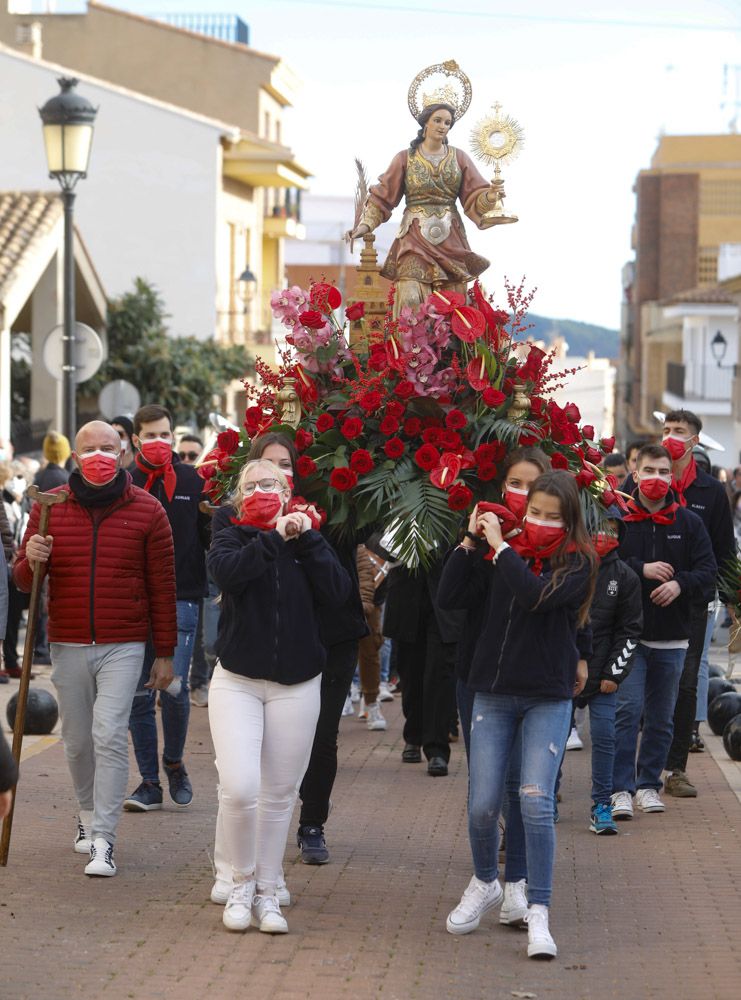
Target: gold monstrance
[(497, 138)]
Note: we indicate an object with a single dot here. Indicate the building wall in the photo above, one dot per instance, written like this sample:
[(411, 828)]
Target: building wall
[(149, 204), (205, 75)]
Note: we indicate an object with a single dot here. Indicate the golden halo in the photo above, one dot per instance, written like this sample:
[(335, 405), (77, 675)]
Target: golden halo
[(454, 89), (497, 137)]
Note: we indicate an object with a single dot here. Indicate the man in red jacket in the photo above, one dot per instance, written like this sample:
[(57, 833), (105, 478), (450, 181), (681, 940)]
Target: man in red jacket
[(109, 558)]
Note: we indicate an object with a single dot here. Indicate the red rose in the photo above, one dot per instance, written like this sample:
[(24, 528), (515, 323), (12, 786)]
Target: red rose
[(228, 441), (455, 420), (355, 311), (487, 472), (342, 479), (585, 478), (588, 432), (325, 422), (305, 466), (412, 427), (394, 409), (467, 323), (389, 425), (312, 319), (450, 440), (394, 447), (485, 453), (253, 417), (593, 456), (572, 414), (432, 435), (493, 397), (607, 444), (303, 439), (528, 439), (361, 461), (404, 389), (459, 497), (324, 296), (559, 461), (427, 457), (370, 400), (377, 359), (208, 467), (352, 427)]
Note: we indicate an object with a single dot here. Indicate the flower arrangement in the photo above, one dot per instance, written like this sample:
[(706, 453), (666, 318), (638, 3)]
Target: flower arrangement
[(409, 432)]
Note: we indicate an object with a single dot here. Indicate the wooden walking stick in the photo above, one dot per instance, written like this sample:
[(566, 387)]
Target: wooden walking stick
[(45, 500)]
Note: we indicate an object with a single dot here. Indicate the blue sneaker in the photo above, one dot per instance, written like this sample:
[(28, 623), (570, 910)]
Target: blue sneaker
[(147, 797), (312, 844), (601, 820), (181, 790)]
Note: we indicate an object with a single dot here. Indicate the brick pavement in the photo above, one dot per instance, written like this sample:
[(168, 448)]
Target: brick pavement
[(651, 913)]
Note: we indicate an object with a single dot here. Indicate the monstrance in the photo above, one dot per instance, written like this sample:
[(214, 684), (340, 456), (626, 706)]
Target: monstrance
[(495, 139)]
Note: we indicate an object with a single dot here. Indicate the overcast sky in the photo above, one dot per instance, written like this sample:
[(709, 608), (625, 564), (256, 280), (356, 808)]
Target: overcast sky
[(592, 89)]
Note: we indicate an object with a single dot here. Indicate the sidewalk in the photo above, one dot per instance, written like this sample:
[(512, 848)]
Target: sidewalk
[(652, 913)]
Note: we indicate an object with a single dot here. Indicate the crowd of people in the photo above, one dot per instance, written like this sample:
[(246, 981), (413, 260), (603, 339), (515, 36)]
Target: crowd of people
[(260, 616)]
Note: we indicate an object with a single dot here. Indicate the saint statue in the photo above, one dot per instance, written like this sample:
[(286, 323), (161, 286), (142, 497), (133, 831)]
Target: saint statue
[(431, 251)]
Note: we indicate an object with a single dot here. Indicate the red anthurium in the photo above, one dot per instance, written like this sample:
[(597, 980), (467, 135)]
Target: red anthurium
[(446, 301), (476, 374), (305, 385), (447, 471), (468, 459), (467, 323)]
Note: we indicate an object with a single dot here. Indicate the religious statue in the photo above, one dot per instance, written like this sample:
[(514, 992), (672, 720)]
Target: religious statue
[(431, 251)]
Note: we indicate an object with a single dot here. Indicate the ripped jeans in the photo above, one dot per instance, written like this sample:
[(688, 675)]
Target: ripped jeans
[(504, 726)]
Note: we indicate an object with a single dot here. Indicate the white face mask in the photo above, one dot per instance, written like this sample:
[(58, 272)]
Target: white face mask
[(17, 486)]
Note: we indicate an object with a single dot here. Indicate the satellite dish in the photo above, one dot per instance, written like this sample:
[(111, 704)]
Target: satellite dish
[(705, 440), (118, 398), (89, 353)]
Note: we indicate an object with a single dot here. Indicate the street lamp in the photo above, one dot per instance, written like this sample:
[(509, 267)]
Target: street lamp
[(247, 284), (68, 121), (719, 345)]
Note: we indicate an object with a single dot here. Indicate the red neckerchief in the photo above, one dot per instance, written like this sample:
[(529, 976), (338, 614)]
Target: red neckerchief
[(524, 547), (298, 503), (509, 521), (687, 478), (666, 515), (155, 472)]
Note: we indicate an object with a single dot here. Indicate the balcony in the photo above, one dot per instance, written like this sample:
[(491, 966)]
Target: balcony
[(699, 384), (284, 221)]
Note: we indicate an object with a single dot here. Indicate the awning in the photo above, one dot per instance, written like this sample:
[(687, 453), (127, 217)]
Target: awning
[(259, 163)]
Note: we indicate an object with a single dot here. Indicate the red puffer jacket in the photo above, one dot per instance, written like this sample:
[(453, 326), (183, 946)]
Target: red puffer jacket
[(111, 571)]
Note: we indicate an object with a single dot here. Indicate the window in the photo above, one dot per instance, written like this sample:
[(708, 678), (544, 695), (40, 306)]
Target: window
[(707, 266), (266, 125), (720, 197)]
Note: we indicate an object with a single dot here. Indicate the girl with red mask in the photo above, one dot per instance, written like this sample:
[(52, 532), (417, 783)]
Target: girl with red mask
[(521, 469), (274, 571), (536, 591)]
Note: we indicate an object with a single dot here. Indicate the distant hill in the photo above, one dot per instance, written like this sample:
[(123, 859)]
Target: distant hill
[(581, 337)]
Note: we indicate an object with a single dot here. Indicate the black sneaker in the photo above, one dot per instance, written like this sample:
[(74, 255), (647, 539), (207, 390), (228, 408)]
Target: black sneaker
[(147, 797), (181, 790), (312, 845), (411, 754)]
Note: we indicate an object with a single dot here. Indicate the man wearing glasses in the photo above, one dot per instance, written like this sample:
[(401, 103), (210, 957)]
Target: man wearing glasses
[(189, 449)]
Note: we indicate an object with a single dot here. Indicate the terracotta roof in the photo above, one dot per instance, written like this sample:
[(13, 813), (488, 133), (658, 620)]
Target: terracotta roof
[(708, 294), (25, 218)]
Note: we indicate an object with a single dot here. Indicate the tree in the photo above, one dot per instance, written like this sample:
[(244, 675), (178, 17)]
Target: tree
[(181, 373)]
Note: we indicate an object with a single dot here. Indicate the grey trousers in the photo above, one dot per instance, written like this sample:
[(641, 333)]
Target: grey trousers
[(95, 686)]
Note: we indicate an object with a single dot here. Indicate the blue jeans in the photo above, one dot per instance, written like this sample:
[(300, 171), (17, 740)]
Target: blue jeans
[(701, 711), (464, 696), (650, 689), (508, 731), (602, 732), (175, 708)]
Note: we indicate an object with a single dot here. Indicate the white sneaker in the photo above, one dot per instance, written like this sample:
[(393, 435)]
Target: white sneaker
[(478, 899), (362, 710), (375, 718), (574, 741), (238, 909), (221, 889), (354, 693), (648, 800), (384, 692), (540, 944), (199, 696), (347, 708), (622, 805), (84, 829), (514, 907), (101, 858), (267, 916)]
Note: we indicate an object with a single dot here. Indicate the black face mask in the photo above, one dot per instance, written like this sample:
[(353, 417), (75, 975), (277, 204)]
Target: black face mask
[(98, 496)]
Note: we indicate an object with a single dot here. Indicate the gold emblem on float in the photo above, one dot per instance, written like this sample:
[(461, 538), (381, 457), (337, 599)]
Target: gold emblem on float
[(496, 139)]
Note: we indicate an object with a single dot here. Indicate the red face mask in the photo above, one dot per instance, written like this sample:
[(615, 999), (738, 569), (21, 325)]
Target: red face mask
[(544, 533), (515, 500), (605, 544), (676, 446), (157, 451), (98, 467), (653, 488), (261, 510)]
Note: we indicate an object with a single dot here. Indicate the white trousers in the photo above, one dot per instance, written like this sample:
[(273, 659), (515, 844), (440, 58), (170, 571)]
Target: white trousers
[(262, 734)]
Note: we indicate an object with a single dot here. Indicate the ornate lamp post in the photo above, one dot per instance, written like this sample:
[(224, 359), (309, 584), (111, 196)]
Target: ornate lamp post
[(719, 345), (247, 285), (68, 121)]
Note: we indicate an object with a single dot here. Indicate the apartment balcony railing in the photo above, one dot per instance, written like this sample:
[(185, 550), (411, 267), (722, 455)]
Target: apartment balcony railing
[(694, 382)]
